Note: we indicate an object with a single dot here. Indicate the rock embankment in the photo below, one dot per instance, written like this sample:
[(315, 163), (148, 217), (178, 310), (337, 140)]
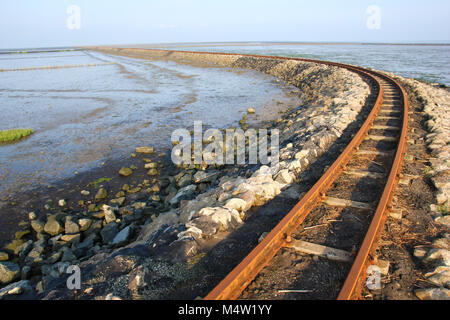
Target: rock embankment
[(436, 101), (134, 251)]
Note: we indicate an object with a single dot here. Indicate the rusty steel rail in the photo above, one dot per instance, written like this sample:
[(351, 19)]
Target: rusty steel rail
[(243, 274), (354, 282)]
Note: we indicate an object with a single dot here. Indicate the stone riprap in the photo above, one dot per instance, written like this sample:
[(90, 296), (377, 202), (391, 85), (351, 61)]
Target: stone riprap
[(436, 257)]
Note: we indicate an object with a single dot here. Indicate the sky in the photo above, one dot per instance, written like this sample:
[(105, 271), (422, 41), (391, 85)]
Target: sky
[(52, 23)]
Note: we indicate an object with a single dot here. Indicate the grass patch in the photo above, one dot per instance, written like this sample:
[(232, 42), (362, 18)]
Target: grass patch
[(14, 134), (99, 181)]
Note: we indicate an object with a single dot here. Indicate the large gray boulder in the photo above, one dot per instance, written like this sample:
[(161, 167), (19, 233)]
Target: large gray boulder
[(122, 236), (109, 232), (184, 194)]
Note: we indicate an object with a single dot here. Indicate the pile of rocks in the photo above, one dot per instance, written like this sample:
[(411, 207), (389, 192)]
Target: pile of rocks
[(437, 108), (65, 239), (437, 258)]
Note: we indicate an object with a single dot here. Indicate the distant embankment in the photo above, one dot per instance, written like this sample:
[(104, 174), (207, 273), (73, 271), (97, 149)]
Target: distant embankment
[(40, 50), (60, 66)]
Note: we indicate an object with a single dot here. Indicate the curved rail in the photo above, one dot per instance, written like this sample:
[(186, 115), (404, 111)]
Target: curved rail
[(353, 284), (241, 276)]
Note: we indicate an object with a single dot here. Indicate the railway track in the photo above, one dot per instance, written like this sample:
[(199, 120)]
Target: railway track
[(357, 189), (381, 140)]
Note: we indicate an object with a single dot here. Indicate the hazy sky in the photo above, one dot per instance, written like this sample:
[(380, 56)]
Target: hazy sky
[(43, 23)]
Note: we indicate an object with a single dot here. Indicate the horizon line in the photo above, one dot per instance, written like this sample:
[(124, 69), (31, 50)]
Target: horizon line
[(236, 43)]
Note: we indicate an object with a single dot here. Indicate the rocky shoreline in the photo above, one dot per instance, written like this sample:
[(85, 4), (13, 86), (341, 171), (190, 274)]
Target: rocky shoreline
[(142, 251)]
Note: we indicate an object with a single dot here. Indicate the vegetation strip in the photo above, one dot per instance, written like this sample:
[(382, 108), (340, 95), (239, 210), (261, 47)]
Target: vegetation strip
[(13, 135)]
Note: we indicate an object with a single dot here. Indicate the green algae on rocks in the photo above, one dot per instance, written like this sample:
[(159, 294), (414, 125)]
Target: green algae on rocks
[(13, 135), (99, 181)]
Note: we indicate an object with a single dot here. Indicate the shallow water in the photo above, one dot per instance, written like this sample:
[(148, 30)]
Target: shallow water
[(32, 60), (429, 63), (85, 115)]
